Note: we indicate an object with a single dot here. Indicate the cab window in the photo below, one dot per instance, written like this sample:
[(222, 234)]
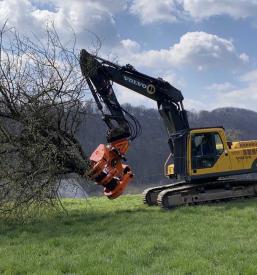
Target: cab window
[(219, 145), (206, 149)]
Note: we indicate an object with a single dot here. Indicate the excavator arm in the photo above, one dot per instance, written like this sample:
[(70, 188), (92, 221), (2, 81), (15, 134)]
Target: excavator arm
[(107, 167)]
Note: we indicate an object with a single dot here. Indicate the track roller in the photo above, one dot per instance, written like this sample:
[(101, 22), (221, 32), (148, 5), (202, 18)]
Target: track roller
[(150, 194)]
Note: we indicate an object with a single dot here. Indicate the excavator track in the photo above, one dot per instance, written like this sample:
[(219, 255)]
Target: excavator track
[(192, 194), (150, 195)]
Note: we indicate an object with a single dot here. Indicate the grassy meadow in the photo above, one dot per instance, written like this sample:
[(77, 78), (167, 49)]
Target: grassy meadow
[(99, 236)]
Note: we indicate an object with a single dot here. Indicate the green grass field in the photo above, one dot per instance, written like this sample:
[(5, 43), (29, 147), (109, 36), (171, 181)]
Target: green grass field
[(99, 236)]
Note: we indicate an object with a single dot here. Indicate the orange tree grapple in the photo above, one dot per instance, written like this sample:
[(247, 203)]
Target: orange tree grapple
[(108, 170)]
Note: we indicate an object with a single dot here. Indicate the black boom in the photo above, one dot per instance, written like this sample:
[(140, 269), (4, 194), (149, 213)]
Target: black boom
[(100, 74)]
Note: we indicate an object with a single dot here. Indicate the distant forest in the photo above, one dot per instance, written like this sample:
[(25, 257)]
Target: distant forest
[(150, 150)]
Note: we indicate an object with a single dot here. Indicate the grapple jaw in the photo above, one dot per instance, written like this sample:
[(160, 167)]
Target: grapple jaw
[(108, 169)]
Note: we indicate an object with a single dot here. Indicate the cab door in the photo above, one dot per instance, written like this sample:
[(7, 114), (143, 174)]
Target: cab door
[(209, 153)]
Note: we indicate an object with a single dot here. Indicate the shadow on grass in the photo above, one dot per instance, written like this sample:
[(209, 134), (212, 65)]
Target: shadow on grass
[(77, 223), (92, 222)]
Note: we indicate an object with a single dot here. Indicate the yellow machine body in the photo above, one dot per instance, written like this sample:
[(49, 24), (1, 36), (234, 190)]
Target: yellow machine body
[(222, 159)]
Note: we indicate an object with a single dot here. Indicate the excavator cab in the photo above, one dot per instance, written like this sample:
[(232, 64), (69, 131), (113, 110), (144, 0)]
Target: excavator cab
[(206, 149), (206, 153)]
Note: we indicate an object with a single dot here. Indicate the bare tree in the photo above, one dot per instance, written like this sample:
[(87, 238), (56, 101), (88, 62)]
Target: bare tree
[(42, 101)]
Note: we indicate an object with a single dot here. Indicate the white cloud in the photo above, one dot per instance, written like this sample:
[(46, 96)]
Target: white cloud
[(244, 97), (173, 10), (96, 16), (250, 77), (201, 9), (130, 45), (220, 87), (244, 57), (200, 50), (156, 11)]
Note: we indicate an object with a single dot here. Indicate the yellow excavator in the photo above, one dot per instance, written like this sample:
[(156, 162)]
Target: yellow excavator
[(203, 162)]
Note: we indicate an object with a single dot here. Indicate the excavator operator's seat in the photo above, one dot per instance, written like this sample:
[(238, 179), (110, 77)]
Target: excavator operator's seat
[(206, 149)]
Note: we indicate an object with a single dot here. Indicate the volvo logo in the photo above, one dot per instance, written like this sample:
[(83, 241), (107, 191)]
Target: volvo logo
[(151, 89), (135, 82)]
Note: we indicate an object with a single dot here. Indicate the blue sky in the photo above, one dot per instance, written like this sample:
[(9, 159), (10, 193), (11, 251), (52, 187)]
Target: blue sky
[(206, 48)]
